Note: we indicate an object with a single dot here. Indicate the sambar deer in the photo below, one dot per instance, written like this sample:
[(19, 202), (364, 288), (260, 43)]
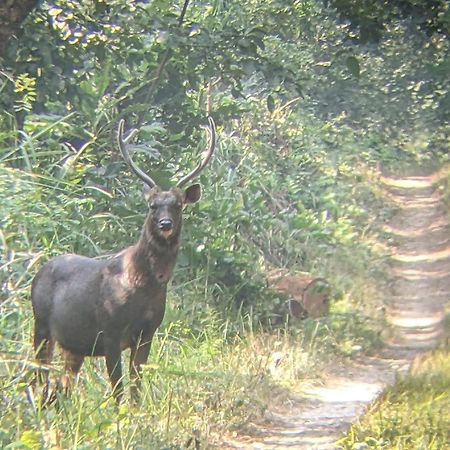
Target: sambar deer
[(94, 307)]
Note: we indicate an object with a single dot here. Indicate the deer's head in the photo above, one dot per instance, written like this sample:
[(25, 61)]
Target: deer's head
[(166, 206)]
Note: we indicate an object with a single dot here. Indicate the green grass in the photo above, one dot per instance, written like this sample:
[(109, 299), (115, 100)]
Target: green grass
[(413, 414), (215, 365), (289, 189), (200, 382), (190, 384)]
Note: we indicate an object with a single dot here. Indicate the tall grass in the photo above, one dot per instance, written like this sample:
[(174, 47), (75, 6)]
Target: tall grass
[(215, 365), (413, 414), (206, 375), (290, 190)]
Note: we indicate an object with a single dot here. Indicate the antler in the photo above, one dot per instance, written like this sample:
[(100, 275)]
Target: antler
[(207, 155), (122, 143)]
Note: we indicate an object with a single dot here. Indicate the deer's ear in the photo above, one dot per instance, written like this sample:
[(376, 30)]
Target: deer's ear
[(192, 194)]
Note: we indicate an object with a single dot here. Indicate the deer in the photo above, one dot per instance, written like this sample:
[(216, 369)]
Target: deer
[(101, 307)]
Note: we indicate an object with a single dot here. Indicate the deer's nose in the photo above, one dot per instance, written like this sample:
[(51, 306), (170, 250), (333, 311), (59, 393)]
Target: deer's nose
[(165, 224)]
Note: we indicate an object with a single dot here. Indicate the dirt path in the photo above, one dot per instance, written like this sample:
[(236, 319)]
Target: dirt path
[(420, 289)]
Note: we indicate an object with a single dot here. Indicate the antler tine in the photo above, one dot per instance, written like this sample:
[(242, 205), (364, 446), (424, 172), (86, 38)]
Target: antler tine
[(122, 143), (207, 156)]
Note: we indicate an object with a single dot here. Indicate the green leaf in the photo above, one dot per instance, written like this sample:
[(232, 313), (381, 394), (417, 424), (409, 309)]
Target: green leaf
[(235, 93), (259, 42), (270, 103), (353, 66), (31, 439)]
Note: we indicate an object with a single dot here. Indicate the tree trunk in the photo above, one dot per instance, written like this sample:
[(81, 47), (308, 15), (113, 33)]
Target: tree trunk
[(12, 14)]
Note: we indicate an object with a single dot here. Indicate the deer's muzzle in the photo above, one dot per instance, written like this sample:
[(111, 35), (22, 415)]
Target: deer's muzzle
[(165, 224)]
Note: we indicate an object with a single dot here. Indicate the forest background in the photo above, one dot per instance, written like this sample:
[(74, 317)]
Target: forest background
[(310, 99)]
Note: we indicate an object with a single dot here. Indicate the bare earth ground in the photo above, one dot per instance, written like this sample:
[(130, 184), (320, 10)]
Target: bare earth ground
[(420, 290)]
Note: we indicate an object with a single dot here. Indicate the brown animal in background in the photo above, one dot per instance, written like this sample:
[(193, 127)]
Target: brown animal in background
[(308, 296), (100, 307)]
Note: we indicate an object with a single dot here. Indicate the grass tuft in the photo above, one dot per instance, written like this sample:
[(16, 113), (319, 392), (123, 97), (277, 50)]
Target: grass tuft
[(413, 414)]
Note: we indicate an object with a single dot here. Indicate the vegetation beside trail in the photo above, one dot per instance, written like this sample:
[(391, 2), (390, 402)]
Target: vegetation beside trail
[(307, 113), (415, 413)]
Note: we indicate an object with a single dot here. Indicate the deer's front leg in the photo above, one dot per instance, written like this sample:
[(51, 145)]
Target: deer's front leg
[(114, 365), (139, 356)]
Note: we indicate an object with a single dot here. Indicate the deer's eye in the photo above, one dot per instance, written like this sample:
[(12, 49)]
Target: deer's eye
[(153, 206)]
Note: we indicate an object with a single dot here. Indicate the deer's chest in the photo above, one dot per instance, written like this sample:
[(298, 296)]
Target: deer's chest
[(137, 303), (136, 314), (139, 321), (132, 306)]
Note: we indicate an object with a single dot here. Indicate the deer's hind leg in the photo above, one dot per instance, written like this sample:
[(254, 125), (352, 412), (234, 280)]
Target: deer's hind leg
[(44, 346)]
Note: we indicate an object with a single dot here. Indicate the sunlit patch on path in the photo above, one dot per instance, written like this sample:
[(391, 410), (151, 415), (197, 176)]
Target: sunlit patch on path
[(420, 265), (415, 309)]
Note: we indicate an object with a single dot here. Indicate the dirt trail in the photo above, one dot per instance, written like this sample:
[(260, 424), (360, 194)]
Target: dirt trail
[(420, 290)]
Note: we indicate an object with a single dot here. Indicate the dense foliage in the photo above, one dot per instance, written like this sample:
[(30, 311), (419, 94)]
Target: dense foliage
[(306, 115), (77, 69), (370, 18)]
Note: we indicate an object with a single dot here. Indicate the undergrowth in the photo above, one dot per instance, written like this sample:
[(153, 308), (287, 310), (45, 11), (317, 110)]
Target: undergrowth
[(413, 414), (305, 120), (212, 369), (200, 382)]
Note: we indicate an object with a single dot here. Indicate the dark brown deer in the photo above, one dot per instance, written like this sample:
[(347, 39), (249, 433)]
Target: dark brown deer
[(96, 307)]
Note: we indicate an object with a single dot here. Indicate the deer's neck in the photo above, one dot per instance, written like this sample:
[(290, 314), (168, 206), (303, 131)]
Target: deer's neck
[(153, 258)]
